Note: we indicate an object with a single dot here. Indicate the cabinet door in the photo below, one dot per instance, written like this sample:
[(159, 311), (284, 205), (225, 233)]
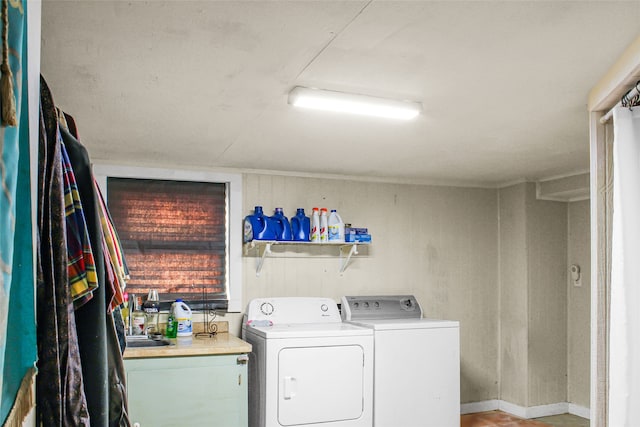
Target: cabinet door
[(187, 391)]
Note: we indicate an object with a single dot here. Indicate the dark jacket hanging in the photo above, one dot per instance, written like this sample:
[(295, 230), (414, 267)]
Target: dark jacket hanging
[(99, 348), (59, 389), (91, 317)]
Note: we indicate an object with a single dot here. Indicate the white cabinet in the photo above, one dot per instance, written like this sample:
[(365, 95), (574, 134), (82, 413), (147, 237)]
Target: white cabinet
[(188, 391)]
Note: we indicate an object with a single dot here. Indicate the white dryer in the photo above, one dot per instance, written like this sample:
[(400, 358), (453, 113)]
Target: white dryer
[(417, 361), (307, 367)]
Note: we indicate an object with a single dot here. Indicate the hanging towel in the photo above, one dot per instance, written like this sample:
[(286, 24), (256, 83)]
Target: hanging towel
[(115, 255), (80, 262)]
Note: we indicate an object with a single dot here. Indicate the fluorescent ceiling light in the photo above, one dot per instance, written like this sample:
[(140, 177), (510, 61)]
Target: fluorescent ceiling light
[(353, 104)]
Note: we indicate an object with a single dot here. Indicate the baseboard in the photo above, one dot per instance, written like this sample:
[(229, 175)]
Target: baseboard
[(580, 411), (525, 412), (483, 406), (546, 410)]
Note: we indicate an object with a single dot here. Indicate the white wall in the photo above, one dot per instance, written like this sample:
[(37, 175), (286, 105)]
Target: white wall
[(438, 243), (579, 305), (533, 299), (514, 320), (448, 246), (547, 272)]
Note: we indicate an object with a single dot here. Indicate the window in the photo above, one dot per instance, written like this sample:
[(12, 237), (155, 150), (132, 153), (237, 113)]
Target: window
[(176, 232)]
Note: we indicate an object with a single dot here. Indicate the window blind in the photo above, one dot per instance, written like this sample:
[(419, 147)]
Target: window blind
[(174, 236)]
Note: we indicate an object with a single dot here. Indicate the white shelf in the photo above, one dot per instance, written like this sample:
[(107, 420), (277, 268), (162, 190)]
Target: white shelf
[(263, 248)]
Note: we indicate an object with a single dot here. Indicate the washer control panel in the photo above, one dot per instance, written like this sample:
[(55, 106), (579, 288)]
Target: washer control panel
[(380, 307)]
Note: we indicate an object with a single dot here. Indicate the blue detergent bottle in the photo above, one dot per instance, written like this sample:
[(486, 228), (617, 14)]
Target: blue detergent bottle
[(258, 226), (300, 226), (281, 225)]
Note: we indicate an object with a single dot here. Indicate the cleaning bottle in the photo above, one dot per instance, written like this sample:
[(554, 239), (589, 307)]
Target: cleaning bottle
[(125, 310), (258, 226), (182, 313), (324, 232), (172, 325), (300, 226), (315, 225), (281, 225), (336, 227)]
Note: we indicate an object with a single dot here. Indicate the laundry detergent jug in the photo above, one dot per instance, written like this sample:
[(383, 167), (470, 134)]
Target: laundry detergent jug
[(258, 226), (300, 226), (281, 225)]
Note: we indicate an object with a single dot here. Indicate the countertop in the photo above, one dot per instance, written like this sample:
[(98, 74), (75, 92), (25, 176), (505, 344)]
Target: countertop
[(221, 343)]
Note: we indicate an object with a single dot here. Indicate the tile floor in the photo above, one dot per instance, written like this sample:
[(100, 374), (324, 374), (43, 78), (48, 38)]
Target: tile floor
[(502, 419)]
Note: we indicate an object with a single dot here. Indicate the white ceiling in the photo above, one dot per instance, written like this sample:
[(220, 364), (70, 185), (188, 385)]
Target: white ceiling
[(504, 84)]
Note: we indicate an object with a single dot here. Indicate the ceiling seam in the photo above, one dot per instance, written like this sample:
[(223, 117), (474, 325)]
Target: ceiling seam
[(335, 35), (330, 41)]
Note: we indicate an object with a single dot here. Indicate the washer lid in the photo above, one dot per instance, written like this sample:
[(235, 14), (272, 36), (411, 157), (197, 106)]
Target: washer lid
[(397, 324), (309, 330)]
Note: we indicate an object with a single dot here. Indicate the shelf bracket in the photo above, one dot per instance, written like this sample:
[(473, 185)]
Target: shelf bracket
[(353, 250), (263, 251)]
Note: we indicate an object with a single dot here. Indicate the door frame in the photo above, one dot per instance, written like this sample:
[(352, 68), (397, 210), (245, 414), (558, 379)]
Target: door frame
[(605, 95)]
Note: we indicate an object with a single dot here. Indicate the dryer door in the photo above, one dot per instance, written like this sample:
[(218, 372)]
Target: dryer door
[(320, 384)]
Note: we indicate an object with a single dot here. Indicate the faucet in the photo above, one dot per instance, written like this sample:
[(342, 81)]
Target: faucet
[(149, 329)]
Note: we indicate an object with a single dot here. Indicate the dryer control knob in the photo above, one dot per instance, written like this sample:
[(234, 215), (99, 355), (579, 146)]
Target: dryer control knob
[(266, 308), (324, 307)]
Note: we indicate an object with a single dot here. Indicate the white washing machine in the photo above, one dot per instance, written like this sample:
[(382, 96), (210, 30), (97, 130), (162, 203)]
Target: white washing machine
[(307, 367), (417, 361)]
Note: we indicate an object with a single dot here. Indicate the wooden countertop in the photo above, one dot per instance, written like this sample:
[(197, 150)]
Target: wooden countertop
[(221, 343)]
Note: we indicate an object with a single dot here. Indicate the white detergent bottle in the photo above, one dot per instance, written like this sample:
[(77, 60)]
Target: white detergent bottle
[(315, 226), (182, 314), (324, 231), (336, 227)]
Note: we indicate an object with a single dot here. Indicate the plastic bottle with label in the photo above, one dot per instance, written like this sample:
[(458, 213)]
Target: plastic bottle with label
[(172, 326), (258, 226), (182, 314), (324, 223), (125, 310), (315, 225), (336, 227), (300, 226), (281, 225)]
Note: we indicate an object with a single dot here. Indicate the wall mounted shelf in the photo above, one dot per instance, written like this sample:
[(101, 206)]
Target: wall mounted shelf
[(263, 248)]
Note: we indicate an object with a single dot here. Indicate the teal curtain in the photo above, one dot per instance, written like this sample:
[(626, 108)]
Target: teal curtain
[(18, 349)]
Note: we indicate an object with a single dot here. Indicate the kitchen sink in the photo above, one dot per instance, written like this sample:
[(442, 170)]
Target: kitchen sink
[(146, 342)]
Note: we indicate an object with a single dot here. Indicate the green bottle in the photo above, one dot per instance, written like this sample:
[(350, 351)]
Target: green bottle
[(172, 327)]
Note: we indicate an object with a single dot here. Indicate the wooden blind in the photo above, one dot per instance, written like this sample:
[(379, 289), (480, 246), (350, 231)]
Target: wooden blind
[(174, 236)]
